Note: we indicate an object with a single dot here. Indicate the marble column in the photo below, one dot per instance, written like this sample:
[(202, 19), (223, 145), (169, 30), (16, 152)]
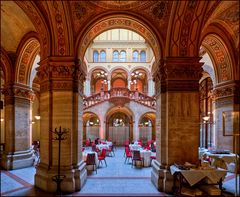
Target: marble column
[(87, 90), (61, 104), (177, 117), (150, 87), (18, 152)]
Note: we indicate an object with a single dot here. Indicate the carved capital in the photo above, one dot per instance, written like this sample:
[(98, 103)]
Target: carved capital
[(178, 74), (61, 73), (227, 90), (13, 91)]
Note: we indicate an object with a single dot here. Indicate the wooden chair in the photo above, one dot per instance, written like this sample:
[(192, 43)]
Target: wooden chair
[(91, 161)]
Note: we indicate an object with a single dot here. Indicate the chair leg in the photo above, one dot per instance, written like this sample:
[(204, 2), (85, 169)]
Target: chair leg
[(105, 162), (125, 160)]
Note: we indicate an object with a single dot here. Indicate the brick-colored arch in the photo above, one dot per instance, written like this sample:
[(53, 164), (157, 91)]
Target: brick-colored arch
[(114, 22), (28, 49), (220, 56), (6, 66)]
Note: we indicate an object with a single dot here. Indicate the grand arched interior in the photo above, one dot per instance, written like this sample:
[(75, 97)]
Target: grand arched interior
[(120, 70)]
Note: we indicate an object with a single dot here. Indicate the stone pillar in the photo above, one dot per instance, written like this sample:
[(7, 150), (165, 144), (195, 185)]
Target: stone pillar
[(150, 87), (177, 118), (87, 90), (227, 100), (109, 82), (61, 104), (18, 152)]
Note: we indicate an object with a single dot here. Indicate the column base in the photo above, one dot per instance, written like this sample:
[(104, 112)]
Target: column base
[(75, 178), (16, 160), (161, 178)]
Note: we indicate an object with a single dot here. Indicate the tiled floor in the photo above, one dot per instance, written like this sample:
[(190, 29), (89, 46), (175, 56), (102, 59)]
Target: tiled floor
[(117, 179)]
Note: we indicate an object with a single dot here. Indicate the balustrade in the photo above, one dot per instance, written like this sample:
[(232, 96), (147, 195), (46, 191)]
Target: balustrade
[(119, 92)]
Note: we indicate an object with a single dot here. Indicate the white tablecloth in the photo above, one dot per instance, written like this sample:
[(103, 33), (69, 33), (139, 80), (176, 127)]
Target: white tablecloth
[(194, 176), (102, 146), (135, 146)]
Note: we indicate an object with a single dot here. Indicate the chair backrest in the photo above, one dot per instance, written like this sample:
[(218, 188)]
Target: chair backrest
[(90, 159), (94, 148), (127, 150), (136, 155), (103, 152)]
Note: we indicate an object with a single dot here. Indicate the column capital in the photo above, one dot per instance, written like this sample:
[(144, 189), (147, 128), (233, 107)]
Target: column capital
[(227, 91), (61, 73), (178, 74), (13, 91)]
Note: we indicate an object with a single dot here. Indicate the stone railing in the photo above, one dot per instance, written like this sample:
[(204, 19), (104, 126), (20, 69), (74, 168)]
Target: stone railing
[(123, 93)]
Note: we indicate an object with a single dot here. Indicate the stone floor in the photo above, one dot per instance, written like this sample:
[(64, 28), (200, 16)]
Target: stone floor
[(117, 179)]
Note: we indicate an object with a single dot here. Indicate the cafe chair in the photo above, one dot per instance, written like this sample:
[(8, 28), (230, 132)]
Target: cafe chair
[(102, 157), (128, 154), (137, 157), (91, 161)]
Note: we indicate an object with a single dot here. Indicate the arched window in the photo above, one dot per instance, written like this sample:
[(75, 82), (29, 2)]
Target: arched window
[(123, 56), (135, 56), (95, 56), (115, 56), (102, 56), (143, 56)]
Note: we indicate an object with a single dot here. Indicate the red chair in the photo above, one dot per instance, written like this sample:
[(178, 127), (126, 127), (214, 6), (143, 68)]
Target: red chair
[(111, 150), (102, 156), (128, 154), (151, 158), (147, 147)]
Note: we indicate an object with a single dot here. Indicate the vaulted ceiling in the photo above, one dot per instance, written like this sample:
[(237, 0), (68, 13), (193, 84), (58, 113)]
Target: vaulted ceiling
[(158, 15)]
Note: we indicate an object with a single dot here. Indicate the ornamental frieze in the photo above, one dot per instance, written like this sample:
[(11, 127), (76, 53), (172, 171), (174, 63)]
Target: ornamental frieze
[(224, 92), (221, 57), (30, 10)]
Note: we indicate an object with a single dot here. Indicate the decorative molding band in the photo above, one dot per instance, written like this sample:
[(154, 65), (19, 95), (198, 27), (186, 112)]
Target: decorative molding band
[(227, 90)]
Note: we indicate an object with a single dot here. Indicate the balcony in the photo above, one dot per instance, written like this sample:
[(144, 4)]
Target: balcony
[(119, 96)]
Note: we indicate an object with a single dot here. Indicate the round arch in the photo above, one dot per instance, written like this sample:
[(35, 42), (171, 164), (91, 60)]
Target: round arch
[(28, 49), (152, 116), (220, 57), (87, 116), (123, 110), (118, 21), (6, 66), (97, 68), (141, 68)]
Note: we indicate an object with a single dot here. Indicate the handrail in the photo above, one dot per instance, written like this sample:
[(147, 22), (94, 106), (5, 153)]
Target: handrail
[(119, 92)]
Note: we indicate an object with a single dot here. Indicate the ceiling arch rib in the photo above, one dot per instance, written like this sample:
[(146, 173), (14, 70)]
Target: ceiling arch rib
[(220, 56)]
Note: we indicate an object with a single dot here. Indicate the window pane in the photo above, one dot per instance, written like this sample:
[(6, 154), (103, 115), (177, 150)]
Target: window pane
[(123, 56), (95, 56), (143, 56), (135, 56), (115, 56), (102, 56)]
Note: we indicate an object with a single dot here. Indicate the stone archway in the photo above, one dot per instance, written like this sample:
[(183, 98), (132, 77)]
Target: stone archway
[(129, 116), (118, 21), (219, 53)]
